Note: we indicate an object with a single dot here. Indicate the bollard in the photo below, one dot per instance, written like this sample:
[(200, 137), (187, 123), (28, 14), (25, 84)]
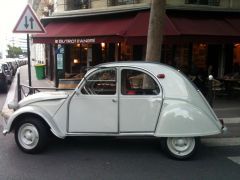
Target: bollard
[(210, 90), (18, 86)]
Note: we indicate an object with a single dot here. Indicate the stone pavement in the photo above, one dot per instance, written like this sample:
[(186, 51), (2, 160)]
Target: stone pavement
[(226, 108)]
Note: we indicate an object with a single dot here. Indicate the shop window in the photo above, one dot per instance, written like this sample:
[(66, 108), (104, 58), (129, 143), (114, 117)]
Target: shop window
[(76, 4), (168, 53), (236, 55), (236, 61), (78, 58), (200, 56), (135, 82), (181, 58), (102, 82), (121, 2), (203, 2), (126, 52)]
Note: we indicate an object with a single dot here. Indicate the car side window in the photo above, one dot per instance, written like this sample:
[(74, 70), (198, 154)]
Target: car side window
[(102, 82), (134, 82)]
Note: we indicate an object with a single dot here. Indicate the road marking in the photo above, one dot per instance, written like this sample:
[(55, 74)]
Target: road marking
[(235, 159), (231, 120), (221, 141), (226, 108)]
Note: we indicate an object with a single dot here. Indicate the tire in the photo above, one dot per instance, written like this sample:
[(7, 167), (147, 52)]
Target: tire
[(180, 148), (4, 87), (31, 135)]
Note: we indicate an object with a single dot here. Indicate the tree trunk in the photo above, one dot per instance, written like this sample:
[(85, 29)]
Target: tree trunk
[(155, 30)]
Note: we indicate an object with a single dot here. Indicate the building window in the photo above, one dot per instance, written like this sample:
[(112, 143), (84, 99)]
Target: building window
[(76, 4), (203, 2), (121, 2)]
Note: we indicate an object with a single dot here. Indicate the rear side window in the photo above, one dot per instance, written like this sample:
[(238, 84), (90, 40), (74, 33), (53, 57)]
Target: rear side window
[(134, 82)]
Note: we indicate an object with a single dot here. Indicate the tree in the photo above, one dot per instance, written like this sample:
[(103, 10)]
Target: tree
[(155, 30), (13, 51)]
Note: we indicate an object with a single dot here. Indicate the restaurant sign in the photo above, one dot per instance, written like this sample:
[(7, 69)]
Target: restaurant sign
[(74, 41)]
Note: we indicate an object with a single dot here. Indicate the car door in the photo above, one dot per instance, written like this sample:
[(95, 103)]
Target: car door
[(140, 101), (95, 108)]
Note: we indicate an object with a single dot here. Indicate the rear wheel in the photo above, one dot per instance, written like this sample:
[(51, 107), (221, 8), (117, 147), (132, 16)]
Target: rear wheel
[(180, 147), (31, 135)]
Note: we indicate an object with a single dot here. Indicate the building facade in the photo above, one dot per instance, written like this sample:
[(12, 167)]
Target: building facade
[(199, 35)]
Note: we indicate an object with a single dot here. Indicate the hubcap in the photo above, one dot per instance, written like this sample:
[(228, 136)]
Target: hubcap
[(28, 136), (181, 146)]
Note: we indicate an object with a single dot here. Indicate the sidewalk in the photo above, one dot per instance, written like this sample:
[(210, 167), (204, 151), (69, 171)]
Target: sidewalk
[(35, 81), (226, 108)]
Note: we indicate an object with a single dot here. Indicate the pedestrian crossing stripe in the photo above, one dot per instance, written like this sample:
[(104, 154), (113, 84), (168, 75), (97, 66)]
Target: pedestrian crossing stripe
[(218, 142), (235, 159)]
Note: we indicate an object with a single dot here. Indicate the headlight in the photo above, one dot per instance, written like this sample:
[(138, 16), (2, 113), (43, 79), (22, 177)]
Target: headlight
[(13, 105)]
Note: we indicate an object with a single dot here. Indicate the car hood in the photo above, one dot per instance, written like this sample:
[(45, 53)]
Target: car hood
[(43, 96)]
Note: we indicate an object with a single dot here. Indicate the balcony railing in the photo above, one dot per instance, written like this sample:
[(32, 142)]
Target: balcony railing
[(76, 4), (122, 2), (203, 2)]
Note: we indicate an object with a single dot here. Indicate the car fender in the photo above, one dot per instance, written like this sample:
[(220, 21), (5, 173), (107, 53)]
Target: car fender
[(35, 110), (182, 119)]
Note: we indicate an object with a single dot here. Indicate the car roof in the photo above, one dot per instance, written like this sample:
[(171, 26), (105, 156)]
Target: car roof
[(137, 64)]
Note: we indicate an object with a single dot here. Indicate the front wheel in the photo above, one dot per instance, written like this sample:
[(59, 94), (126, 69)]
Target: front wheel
[(180, 147), (31, 135)]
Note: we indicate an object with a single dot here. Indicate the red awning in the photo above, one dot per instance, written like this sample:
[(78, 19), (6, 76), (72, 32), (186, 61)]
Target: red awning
[(134, 28), (138, 30), (210, 29), (203, 26), (97, 30), (139, 26), (234, 22)]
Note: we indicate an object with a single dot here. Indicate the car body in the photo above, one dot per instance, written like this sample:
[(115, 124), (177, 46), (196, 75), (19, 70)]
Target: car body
[(13, 65), (7, 71), (11, 69), (5, 76), (119, 99)]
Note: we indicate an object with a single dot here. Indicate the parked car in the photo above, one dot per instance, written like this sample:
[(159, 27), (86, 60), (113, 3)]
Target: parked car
[(119, 99), (5, 77), (13, 65), (10, 68)]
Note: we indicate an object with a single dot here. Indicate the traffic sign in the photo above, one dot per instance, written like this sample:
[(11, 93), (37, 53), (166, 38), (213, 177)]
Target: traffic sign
[(28, 22)]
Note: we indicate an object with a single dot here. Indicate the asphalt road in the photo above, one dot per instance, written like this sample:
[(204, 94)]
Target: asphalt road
[(227, 106), (113, 158)]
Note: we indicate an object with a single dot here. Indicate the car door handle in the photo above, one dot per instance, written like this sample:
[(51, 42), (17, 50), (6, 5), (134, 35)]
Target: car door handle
[(114, 100)]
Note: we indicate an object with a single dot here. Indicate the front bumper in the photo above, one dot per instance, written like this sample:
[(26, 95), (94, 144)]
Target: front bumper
[(4, 124), (6, 113), (224, 128)]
